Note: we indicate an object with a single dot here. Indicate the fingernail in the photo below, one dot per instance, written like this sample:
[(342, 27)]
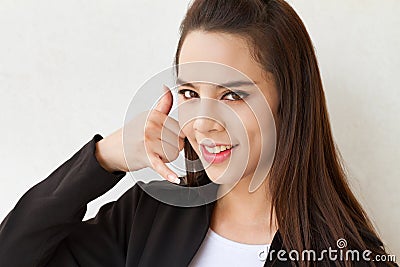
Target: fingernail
[(174, 179)]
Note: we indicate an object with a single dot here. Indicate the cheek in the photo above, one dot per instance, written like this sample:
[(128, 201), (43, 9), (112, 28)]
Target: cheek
[(250, 122), (252, 131), (253, 136), (187, 132)]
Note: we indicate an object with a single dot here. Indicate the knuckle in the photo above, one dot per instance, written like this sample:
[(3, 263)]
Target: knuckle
[(150, 124), (147, 136), (164, 159)]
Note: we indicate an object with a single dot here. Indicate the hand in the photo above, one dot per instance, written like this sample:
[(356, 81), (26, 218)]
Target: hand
[(151, 139)]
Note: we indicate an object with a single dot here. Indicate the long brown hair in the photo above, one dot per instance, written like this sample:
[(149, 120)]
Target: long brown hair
[(310, 193)]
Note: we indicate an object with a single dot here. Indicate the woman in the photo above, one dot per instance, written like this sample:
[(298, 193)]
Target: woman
[(303, 204)]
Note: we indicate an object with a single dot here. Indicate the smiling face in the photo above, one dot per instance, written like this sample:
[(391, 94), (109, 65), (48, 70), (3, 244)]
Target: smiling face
[(227, 103)]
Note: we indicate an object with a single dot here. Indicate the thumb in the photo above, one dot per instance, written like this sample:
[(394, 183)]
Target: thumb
[(165, 103)]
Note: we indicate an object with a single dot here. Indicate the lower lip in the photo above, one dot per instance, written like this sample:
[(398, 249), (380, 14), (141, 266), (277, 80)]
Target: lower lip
[(216, 158)]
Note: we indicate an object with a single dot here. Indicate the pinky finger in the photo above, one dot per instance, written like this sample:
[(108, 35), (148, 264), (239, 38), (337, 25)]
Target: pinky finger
[(161, 168)]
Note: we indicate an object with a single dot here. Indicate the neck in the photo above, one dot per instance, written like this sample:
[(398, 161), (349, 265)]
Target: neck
[(243, 209)]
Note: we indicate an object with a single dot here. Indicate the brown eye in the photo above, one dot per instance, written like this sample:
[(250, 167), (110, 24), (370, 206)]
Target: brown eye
[(187, 94), (235, 96)]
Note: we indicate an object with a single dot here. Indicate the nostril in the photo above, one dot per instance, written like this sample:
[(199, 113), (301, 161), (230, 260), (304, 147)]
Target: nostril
[(206, 125)]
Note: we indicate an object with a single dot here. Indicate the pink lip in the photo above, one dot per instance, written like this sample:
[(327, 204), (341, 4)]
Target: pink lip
[(216, 158)]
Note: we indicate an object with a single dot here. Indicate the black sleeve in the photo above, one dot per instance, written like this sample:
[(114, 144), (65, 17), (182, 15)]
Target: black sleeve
[(49, 215)]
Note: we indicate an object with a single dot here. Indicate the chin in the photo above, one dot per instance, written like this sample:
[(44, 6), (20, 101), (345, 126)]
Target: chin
[(218, 177)]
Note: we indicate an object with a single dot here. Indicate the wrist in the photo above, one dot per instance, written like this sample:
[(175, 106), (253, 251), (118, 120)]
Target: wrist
[(103, 156)]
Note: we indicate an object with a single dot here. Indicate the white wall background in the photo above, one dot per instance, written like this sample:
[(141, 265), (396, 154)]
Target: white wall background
[(68, 70)]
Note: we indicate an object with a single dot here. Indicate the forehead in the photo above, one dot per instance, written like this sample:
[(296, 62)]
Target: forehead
[(224, 57)]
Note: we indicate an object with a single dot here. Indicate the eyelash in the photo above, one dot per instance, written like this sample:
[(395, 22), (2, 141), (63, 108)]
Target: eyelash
[(240, 94)]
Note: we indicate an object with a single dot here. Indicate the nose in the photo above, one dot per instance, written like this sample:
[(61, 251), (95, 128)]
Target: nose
[(205, 125), (207, 119), (203, 114)]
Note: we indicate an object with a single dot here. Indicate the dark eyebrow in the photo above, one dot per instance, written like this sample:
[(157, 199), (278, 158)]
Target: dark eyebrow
[(181, 82)]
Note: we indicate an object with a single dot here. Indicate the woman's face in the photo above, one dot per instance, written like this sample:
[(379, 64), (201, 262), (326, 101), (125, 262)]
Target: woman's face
[(237, 116)]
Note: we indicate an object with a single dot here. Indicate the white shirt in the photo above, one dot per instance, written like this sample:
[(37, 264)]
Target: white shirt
[(217, 251)]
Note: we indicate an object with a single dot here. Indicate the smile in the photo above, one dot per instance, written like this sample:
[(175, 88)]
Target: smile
[(216, 154)]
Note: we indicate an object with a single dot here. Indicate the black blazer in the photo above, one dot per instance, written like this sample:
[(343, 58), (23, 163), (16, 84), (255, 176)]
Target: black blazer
[(45, 228)]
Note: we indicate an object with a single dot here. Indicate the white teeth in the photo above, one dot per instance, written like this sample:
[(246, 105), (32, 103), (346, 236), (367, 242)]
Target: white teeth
[(209, 149), (217, 149)]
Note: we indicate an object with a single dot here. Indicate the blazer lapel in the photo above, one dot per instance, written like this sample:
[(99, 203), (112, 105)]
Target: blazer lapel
[(176, 234)]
